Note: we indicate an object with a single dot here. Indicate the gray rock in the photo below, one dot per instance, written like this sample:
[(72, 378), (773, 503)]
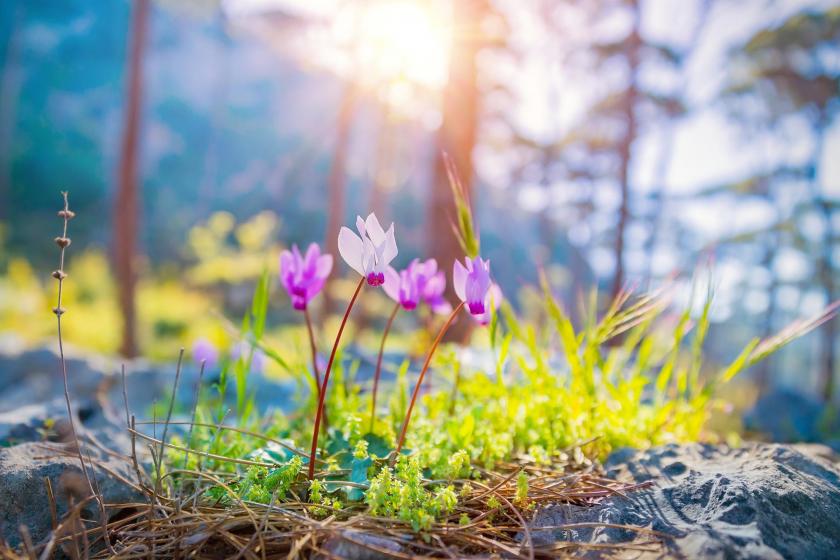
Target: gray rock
[(23, 492), (34, 377), (789, 416), (356, 545), (759, 501)]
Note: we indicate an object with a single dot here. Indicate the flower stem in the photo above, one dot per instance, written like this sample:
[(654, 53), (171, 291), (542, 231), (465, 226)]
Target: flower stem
[(323, 391), (423, 374), (379, 365), (315, 372)]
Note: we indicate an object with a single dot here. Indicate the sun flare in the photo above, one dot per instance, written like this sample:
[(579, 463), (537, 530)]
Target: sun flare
[(396, 41)]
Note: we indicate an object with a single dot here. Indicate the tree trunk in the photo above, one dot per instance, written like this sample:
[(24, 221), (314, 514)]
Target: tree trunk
[(625, 148), (456, 137), (126, 205)]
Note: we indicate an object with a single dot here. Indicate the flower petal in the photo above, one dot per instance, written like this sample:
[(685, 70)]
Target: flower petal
[(312, 254), (390, 248), (324, 266), (441, 306), (434, 286), (351, 248), (369, 258), (459, 280), (286, 261), (360, 225), (392, 284), (374, 230), (314, 288), (494, 296)]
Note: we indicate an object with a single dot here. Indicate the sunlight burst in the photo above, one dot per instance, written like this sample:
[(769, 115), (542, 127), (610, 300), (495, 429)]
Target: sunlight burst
[(391, 42)]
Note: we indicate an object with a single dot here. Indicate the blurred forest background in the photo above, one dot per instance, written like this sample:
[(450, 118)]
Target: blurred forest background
[(612, 142)]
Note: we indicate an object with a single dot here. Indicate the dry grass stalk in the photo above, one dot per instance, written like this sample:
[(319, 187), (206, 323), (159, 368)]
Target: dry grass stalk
[(60, 275), (183, 527)]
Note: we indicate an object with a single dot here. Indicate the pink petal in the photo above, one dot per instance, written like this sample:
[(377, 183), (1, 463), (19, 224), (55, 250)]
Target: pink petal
[(392, 284), (441, 307), (494, 296), (286, 262), (312, 254), (324, 266)]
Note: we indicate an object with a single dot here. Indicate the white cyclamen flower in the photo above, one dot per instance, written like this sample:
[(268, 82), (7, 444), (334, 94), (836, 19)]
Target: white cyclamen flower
[(370, 252)]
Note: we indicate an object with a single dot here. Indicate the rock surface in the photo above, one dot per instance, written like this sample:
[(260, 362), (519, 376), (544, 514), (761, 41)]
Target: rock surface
[(24, 499), (356, 545), (758, 501), (36, 441), (785, 415), (34, 377)]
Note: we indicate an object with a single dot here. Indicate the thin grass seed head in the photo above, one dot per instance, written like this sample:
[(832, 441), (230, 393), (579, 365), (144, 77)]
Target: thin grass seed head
[(464, 228)]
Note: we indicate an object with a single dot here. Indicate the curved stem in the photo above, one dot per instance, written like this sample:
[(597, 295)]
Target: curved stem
[(423, 374), (315, 372), (323, 391), (379, 365)]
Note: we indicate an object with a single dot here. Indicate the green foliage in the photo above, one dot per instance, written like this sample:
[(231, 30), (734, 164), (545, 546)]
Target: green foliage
[(559, 396), (401, 494), (521, 498), (253, 328), (259, 484)]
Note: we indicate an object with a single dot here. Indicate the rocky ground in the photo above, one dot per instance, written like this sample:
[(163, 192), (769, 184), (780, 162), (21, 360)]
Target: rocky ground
[(757, 501)]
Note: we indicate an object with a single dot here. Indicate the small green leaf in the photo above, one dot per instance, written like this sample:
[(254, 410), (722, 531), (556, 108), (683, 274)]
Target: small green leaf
[(272, 453), (377, 445)]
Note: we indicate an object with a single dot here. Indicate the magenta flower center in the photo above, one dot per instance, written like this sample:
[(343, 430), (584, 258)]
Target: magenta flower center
[(375, 279), (476, 307)]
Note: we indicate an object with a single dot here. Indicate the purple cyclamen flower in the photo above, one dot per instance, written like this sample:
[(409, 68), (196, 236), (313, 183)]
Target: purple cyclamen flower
[(432, 284), (493, 301), (403, 287), (370, 252), (472, 284), (204, 351), (303, 276), (241, 350)]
